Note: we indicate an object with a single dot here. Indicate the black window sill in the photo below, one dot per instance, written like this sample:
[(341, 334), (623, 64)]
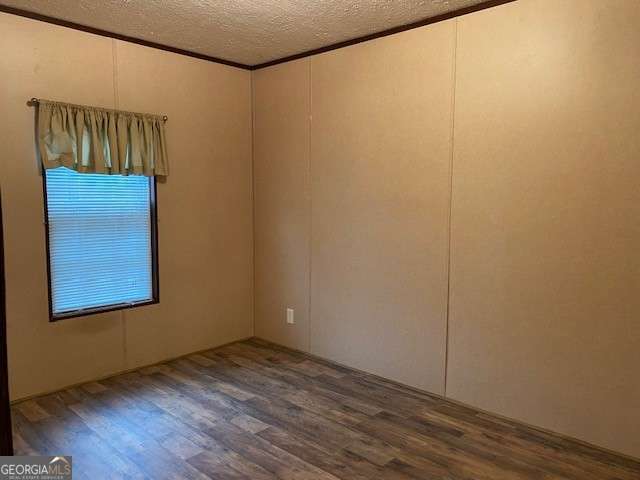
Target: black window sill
[(55, 317)]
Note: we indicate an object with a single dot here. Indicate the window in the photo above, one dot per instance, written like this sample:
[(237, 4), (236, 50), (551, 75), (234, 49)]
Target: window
[(101, 240)]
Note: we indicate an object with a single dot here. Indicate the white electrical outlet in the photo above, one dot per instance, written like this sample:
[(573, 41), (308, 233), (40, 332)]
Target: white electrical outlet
[(290, 319)]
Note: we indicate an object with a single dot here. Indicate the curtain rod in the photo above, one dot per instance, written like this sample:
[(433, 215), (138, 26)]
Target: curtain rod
[(35, 101)]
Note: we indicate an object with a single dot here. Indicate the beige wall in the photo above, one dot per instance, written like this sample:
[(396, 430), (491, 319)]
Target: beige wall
[(282, 201), (380, 156), (372, 235), (545, 311), (543, 323), (205, 207)]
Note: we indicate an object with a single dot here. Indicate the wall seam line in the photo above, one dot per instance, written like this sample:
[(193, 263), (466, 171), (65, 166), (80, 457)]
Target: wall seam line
[(310, 241), (253, 206), (116, 105), (450, 214)]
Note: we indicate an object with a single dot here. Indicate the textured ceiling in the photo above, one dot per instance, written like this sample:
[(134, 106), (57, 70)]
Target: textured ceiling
[(244, 31)]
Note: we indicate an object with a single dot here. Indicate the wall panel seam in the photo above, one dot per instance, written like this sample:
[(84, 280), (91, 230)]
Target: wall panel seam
[(116, 105), (310, 193), (450, 213), (253, 205)]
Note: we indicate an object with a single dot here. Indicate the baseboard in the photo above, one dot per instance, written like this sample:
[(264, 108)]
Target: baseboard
[(498, 416)]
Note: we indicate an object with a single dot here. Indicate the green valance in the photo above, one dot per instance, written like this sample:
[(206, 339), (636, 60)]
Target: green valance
[(99, 140)]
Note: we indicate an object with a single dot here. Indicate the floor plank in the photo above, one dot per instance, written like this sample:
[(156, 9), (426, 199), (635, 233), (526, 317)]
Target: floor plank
[(253, 410)]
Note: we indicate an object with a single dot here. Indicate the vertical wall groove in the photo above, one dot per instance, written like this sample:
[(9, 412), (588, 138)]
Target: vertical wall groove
[(310, 132), (453, 133), (116, 105), (253, 203)]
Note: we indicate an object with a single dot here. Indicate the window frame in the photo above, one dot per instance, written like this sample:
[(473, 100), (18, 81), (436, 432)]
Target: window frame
[(155, 281)]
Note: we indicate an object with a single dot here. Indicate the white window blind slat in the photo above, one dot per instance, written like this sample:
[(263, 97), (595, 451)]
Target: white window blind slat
[(99, 239)]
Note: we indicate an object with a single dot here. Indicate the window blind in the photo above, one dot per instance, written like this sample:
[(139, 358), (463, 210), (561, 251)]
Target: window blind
[(99, 239)]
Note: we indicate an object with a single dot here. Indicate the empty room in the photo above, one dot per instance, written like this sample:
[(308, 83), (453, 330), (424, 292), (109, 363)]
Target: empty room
[(333, 240)]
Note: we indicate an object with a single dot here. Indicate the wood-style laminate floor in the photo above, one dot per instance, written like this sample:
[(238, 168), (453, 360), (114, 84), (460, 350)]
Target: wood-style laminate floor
[(252, 410)]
